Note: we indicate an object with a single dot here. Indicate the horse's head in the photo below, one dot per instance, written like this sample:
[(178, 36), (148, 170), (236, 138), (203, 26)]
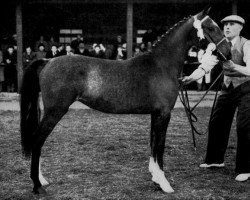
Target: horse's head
[(207, 28)]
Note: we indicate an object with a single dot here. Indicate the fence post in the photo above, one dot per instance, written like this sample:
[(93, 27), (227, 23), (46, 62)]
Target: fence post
[(19, 32), (129, 29)]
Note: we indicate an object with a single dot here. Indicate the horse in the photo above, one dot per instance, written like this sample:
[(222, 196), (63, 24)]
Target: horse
[(147, 84)]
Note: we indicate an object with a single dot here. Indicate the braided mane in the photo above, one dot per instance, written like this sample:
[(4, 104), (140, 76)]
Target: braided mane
[(170, 30)]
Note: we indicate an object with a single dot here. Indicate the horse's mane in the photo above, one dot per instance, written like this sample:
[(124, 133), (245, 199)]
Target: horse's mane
[(170, 30)]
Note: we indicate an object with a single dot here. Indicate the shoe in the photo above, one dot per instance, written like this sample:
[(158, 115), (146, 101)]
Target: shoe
[(205, 165), (242, 177)]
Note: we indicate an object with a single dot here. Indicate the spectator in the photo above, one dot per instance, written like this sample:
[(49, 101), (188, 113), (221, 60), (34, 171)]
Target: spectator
[(69, 51), (40, 54), (143, 47), (52, 53), (60, 50), (137, 51), (43, 42), (109, 51), (52, 42), (118, 43), (10, 72), (81, 50), (14, 41), (28, 56), (75, 43), (99, 51), (148, 36), (149, 46), (204, 82), (191, 63), (192, 55), (122, 52), (119, 53)]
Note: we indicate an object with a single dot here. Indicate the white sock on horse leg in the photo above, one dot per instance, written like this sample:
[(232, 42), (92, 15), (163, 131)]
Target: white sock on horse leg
[(158, 176), (41, 178)]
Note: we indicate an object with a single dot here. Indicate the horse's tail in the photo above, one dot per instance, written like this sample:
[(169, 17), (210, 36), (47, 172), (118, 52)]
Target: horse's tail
[(29, 104)]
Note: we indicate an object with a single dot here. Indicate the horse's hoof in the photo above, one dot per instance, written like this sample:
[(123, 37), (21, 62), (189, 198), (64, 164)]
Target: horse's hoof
[(39, 190)]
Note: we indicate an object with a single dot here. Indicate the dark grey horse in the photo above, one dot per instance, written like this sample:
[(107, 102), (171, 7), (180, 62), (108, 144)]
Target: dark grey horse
[(147, 84)]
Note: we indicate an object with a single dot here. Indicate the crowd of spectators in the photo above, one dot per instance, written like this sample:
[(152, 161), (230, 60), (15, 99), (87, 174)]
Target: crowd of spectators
[(47, 49)]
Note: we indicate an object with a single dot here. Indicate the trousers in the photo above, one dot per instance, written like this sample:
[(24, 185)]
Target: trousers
[(230, 100)]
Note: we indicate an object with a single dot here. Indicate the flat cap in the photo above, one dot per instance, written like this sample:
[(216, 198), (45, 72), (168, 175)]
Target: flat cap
[(233, 18)]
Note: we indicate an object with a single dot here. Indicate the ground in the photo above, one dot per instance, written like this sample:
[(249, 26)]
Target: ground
[(91, 155)]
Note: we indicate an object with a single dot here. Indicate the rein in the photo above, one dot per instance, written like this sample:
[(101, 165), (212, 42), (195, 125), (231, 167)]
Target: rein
[(192, 118), (183, 95)]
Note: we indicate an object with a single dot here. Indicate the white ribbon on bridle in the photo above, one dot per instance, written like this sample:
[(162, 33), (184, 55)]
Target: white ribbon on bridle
[(197, 25)]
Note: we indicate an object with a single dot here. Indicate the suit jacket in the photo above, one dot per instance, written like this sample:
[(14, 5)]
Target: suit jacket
[(49, 54)]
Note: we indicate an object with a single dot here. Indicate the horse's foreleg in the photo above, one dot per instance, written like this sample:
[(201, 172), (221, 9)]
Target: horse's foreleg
[(159, 124), (41, 178), (49, 121)]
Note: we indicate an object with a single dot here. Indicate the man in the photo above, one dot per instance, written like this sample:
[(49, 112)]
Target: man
[(43, 42), (52, 53), (69, 51), (81, 50), (235, 93), (10, 72), (75, 43)]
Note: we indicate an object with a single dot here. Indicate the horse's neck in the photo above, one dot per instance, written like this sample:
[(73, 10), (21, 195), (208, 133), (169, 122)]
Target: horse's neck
[(172, 50)]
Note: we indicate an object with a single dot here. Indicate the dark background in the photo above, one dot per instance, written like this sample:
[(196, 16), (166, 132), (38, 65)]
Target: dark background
[(104, 21)]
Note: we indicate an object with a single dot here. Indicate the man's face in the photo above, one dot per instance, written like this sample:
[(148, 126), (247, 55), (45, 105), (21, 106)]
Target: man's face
[(41, 48), (28, 49), (232, 29), (68, 48), (53, 49), (97, 49)]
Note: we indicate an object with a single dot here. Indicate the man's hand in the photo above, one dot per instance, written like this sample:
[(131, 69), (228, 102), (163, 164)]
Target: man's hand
[(196, 75), (229, 65), (8, 61), (187, 79)]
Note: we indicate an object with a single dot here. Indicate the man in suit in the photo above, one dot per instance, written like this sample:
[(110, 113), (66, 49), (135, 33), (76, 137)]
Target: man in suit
[(81, 50), (52, 53)]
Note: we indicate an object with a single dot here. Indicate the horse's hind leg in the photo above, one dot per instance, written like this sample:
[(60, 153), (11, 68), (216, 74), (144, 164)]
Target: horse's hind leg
[(159, 124), (49, 121)]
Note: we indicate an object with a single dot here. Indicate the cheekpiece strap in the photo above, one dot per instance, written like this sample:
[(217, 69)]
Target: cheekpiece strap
[(197, 24)]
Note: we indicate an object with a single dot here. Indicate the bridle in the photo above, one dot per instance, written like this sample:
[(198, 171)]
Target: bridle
[(184, 96), (198, 26)]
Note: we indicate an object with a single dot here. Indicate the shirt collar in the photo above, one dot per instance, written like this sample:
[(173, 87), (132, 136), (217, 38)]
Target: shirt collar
[(234, 40)]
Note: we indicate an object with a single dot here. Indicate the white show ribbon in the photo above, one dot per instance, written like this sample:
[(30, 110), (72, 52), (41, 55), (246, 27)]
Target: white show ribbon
[(197, 24)]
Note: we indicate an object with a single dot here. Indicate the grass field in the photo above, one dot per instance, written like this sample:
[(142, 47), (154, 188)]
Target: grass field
[(91, 155)]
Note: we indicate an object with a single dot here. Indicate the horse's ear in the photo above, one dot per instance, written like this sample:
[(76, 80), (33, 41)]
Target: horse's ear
[(206, 10)]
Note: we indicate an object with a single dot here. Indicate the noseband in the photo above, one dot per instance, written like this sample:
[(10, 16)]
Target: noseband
[(198, 25)]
